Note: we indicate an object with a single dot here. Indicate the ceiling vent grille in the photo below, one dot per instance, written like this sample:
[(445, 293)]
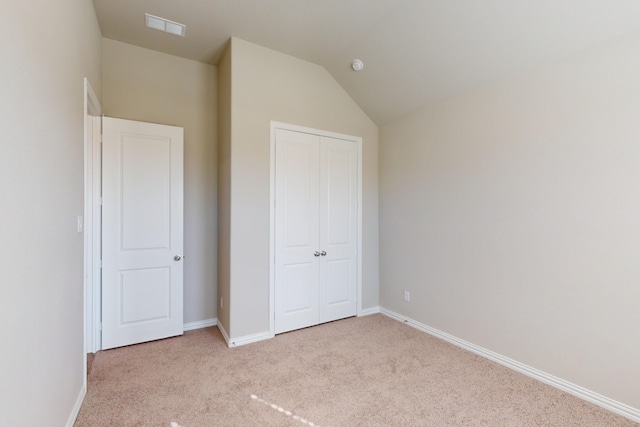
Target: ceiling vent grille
[(165, 25)]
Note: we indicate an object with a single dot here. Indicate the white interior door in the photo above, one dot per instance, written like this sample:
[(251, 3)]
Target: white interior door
[(296, 230), (338, 228), (316, 217), (142, 232)]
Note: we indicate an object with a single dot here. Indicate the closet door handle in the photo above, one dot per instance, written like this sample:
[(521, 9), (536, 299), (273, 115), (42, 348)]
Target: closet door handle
[(323, 253), (316, 253)]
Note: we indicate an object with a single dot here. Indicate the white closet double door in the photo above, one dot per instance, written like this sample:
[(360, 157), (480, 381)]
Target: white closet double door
[(316, 229)]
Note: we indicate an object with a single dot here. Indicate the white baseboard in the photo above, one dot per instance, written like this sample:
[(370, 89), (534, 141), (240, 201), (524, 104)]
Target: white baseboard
[(576, 390), (224, 333), (76, 408), (369, 311), (248, 339), (199, 324)]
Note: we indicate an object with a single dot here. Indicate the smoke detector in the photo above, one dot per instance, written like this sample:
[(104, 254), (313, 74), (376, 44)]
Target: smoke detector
[(357, 65)]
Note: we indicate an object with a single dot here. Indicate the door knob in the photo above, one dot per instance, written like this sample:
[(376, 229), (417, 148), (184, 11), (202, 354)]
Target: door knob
[(323, 253), (316, 253), (177, 258)]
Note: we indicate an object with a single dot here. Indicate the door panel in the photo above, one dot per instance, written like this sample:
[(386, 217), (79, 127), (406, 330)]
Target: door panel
[(338, 277), (299, 197), (297, 295), (296, 231), (146, 202), (338, 193), (145, 294), (338, 228), (142, 232)]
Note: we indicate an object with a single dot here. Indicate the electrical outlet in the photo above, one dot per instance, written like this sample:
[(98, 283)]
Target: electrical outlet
[(407, 296), (221, 302)]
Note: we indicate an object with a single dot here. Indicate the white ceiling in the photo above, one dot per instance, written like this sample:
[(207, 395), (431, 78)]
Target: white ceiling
[(416, 52)]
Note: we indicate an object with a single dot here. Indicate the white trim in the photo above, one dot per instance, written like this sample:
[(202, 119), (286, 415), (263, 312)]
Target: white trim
[(224, 333), (97, 232), (359, 308), (199, 324), (76, 407), (272, 190), (249, 339), (272, 234), (91, 226), (566, 386), (369, 311), (93, 105)]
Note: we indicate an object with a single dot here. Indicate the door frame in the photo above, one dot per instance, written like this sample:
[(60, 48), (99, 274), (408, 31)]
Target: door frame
[(92, 220), (272, 209)]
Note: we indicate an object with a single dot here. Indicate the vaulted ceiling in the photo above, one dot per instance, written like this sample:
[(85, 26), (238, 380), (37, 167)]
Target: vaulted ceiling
[(416, 52)]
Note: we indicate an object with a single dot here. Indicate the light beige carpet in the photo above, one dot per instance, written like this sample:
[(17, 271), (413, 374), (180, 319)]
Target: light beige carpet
[(370, 371)]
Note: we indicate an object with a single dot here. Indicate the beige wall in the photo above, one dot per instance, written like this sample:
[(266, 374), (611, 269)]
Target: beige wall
[(512, 216), (267, 85), (47, 50), (224, 187), (140, 84)]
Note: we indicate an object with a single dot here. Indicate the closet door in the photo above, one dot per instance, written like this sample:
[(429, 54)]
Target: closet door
[(316, 218), (338, 228), (297, 243)]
